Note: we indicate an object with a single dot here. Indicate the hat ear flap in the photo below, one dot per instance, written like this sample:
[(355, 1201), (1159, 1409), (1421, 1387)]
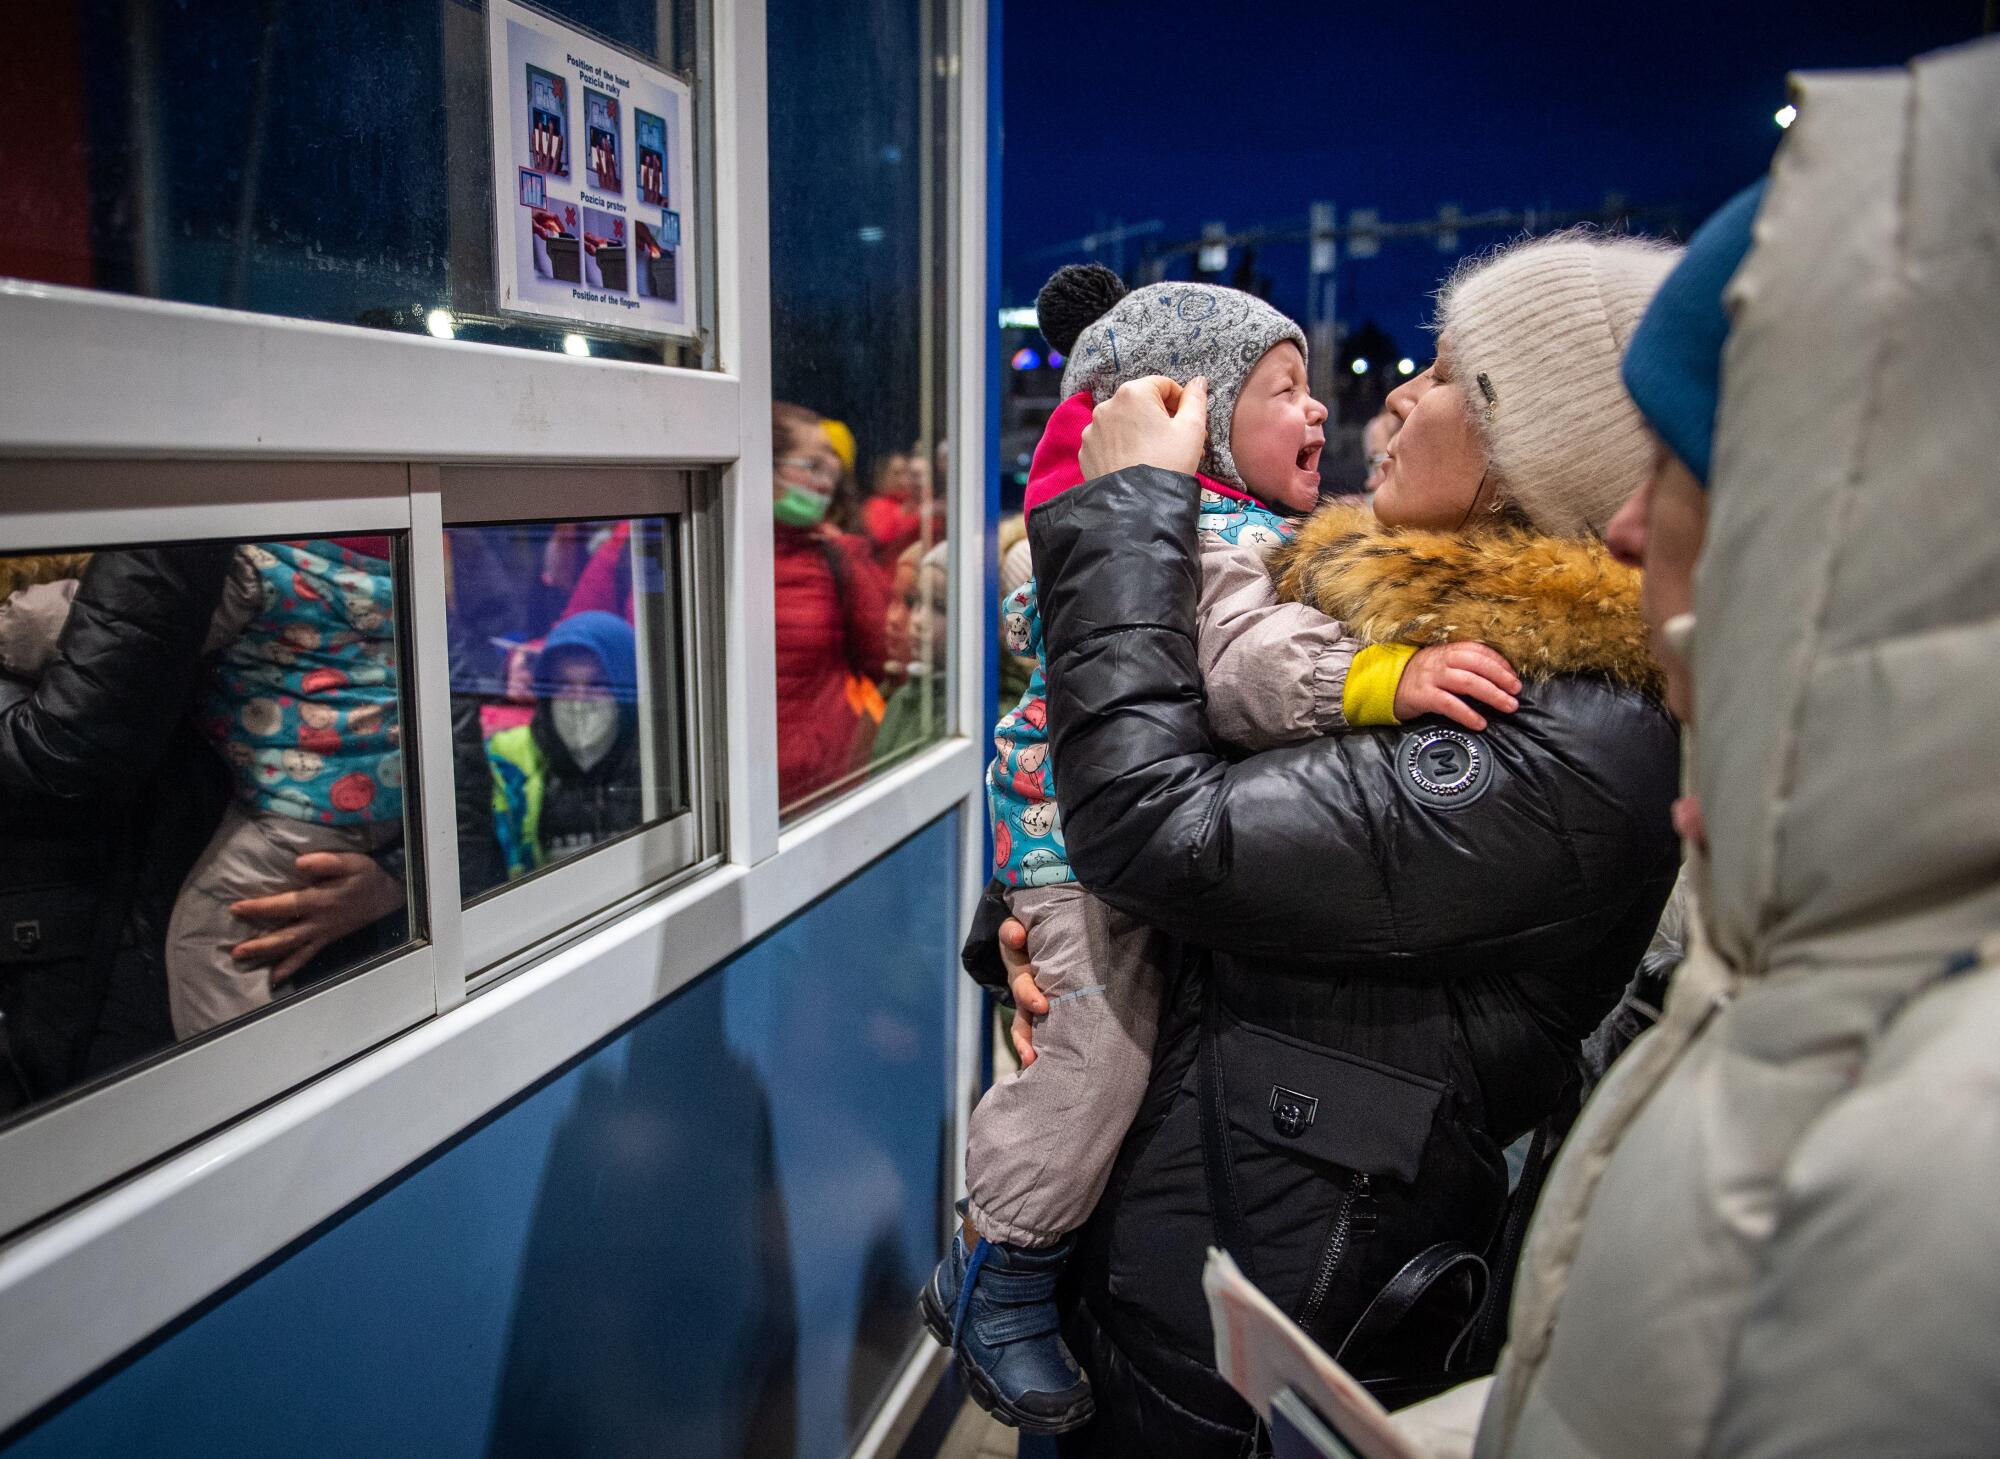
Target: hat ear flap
[(1076, 296)]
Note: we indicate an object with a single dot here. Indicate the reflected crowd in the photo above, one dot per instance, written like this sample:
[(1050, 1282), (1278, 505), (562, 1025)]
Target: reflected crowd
[(201, 744), (862, 586), (200, 751), (555, 746), (202, 757)]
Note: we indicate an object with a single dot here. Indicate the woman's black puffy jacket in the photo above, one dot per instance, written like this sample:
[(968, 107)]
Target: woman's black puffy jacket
[(1396, 973), (109, 794)]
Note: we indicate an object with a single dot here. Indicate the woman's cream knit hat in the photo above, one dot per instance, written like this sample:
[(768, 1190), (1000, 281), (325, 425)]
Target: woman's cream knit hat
[(1538, 330)]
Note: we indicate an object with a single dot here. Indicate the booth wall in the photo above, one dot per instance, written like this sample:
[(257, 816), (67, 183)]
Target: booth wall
[(701, 1238)]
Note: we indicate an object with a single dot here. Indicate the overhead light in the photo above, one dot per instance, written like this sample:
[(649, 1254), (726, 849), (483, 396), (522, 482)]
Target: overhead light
[(1406, 366), (1359, 367), (1022, 317), (871, 233), (438, 324), (1786, 115), (575, 344)]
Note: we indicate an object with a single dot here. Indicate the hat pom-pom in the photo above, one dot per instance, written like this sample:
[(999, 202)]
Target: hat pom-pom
[(1076, 296)]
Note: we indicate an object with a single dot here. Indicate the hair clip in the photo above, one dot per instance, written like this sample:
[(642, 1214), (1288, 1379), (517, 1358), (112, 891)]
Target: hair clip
[(1486, 389)]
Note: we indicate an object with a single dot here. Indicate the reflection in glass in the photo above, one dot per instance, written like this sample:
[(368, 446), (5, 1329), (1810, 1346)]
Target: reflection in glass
[(201, 764), (566, 689), (343, 173), (832, 612), (918, 636), (859, 264)]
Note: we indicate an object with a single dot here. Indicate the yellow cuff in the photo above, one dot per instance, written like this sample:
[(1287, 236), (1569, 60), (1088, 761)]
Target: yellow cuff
[(1372, 680)]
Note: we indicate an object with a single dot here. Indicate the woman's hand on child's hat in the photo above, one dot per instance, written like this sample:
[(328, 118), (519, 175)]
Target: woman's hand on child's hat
[(1029, 1000), (1149, 422), (1436, 677)]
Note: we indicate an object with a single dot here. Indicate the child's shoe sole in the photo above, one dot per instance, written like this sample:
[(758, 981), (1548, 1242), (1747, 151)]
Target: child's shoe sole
[(982, 1393), (937, 1322)]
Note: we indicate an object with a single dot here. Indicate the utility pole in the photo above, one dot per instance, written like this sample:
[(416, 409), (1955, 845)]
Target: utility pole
[(1449, 221), (1322, 308)]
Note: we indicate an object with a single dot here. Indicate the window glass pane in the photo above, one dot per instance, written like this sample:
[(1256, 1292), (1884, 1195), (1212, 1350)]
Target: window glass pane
[(188, 734), (335, 166), (566, 671), (860, 240)]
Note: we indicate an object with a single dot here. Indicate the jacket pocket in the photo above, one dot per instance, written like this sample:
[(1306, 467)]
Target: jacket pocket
[(1324, 1104), (47, 924)]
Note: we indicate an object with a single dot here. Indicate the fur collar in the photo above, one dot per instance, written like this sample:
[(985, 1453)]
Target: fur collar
[(43, 567), (1551, 605)]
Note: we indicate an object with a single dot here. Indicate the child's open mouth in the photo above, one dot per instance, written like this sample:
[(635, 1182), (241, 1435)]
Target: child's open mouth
[(1308, 458)]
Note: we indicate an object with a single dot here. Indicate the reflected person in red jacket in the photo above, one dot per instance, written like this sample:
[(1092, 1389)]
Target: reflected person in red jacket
[(901, 500), (830, 612)]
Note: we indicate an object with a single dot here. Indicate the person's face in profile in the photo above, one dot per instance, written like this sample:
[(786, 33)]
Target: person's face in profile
[(1660, 530), (930, 602), (1434, 463), (1375, 438), (902, 598)]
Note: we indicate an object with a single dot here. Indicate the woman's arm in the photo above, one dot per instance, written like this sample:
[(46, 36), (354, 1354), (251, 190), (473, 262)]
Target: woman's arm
[(1273, 673), (1324, 851)]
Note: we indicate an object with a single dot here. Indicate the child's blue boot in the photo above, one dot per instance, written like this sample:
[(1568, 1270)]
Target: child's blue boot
[(939, 1299), (994, 1305)]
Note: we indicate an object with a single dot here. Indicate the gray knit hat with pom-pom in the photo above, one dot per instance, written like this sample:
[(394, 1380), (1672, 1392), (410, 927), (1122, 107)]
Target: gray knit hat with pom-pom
[(1111, 336)]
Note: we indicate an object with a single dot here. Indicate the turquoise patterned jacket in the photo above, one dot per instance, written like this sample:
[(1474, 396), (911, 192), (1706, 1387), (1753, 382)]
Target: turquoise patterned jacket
[(1021, 782), (303, 701)]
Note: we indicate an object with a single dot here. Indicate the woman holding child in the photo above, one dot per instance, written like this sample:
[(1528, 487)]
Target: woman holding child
[(1398, 935)]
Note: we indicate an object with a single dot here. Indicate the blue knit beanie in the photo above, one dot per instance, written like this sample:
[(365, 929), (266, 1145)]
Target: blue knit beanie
[(1673, 367)]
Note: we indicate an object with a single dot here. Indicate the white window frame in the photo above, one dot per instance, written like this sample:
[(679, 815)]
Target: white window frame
[(88, 1282), (123, 1121), (502, 922)]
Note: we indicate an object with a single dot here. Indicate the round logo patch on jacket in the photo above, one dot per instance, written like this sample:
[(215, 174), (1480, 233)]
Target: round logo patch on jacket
[(1443, 767)]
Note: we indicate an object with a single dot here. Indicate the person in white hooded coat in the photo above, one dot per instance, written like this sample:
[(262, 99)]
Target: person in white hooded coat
[(1775, 1230)]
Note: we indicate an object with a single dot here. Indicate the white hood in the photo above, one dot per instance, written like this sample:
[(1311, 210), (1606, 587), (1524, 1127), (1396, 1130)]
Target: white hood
[(1772, 1231), (1849, 595)]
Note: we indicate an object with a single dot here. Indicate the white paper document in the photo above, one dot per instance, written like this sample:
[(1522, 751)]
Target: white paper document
[(1260, 1351)]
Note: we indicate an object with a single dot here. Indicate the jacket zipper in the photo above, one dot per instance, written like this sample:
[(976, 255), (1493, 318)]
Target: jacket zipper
[(1352, 1221)]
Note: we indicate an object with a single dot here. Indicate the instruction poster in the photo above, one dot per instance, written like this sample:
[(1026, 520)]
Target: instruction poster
[(593, 170)]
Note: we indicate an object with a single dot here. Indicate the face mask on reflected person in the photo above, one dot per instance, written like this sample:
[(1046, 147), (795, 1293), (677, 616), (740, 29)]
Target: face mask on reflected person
[(797, 506), (587, 728)]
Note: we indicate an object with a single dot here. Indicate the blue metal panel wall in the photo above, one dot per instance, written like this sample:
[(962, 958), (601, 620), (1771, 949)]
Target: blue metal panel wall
[(704, 1238)]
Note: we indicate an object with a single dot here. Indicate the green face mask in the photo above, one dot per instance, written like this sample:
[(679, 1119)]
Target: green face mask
[(797, 506)]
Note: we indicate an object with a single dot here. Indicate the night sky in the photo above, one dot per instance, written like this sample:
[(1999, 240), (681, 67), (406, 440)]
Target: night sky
[(1247, 112)]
